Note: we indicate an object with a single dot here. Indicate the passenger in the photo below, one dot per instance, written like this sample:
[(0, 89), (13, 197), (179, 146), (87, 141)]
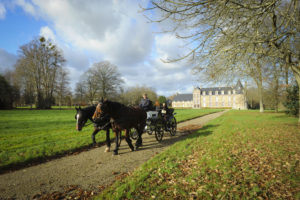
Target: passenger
[(146, 103), (166, 112), (157, 106)]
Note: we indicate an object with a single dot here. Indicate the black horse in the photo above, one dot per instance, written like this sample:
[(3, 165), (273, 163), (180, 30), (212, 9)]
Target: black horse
[(123, 118), (102, 123)]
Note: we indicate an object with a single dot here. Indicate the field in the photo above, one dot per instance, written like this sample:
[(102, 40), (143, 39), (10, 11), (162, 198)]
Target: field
[(241, 155), (28, 135), (186, 114)]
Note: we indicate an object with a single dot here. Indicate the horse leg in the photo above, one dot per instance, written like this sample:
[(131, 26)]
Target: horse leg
[(120, 138), (128, 140), (116, 141), (93, 136), (107, 149), (139, 141)]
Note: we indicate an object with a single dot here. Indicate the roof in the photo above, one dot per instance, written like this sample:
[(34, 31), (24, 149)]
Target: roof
[(183, 97), (219, 89), (189, 97), (238, 89)]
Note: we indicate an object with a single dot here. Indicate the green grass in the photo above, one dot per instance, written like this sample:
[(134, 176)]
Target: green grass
[(241, 155), (29, 134), (26, 135), (186, 114)]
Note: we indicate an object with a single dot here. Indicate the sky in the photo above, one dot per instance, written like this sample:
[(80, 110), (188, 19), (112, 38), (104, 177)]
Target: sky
[(91, 31)]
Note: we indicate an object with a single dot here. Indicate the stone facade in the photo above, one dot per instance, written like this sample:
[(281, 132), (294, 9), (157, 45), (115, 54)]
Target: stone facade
[(218, 97)]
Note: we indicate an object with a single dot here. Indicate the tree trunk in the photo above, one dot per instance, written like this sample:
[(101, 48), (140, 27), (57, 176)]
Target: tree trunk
[(276, 89), (260, 94), (297, 76), (60, 103), (257, 77)]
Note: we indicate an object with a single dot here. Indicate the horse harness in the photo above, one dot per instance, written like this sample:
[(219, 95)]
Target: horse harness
[(102, 127)]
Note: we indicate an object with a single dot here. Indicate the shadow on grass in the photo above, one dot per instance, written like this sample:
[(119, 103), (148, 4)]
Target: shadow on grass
[(203, 132), (42, 159), (180, 136), (167, 140)]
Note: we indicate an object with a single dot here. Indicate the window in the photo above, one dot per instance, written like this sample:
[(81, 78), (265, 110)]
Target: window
[(216, 93), (229, 92), (210, 92), (222, 91), (233, 91), (233, 100), (203, 92)]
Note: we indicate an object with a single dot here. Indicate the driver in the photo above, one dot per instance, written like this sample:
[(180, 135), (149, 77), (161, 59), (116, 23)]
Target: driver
[(145, 103)]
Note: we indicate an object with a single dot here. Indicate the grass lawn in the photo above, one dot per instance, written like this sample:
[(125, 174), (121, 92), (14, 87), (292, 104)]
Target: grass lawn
[(185, 114), (241, 155), (29, 134), (26, 135)]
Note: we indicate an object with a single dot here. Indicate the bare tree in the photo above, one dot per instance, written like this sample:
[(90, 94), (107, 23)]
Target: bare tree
[(80, 92), (134, 95), (102, 80), (38, 64), (91, 85), (229, 30), (62, 89)]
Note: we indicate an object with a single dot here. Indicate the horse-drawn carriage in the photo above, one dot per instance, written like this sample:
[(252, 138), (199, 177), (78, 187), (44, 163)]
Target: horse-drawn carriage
[(159, 122), (131, 119)]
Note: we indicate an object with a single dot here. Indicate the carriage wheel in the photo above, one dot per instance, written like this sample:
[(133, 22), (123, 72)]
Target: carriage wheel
[(173, 126), (134, 134), (159, 133), (149, 129), (149, 132)]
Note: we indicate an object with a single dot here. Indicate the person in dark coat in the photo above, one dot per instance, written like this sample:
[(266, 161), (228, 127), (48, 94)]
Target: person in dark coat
[(145, 103), (166, 113)]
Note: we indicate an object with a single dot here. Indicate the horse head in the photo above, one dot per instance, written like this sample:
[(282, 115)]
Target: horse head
[(81, 118), (99, 109)]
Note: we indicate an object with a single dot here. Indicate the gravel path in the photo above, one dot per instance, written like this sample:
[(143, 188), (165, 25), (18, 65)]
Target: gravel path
[(88, 169)]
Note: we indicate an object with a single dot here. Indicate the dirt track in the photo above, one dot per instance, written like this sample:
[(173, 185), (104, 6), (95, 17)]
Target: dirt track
[(89, 169)]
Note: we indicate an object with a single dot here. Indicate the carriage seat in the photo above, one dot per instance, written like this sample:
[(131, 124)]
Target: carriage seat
[(152, 114)]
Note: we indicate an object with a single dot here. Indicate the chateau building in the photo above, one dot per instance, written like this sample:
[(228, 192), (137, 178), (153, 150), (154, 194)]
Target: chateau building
[(218, 97)]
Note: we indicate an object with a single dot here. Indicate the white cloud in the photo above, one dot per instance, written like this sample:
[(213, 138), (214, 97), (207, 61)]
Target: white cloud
[(27, 7), (47, 33), (96, 30), (2, 11), (111, 28)]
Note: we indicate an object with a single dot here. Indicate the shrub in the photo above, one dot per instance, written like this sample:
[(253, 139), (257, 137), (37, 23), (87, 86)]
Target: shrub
[(292, 100)]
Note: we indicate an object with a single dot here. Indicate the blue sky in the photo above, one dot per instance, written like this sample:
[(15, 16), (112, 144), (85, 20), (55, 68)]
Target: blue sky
[(18, 28), (93, 31)]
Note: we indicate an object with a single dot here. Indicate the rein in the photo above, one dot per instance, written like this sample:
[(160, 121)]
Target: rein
[(89, 123), (102, 127)]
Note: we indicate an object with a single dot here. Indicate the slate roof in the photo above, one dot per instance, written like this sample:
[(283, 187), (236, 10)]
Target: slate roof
[(183, 97), (213, 90)]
